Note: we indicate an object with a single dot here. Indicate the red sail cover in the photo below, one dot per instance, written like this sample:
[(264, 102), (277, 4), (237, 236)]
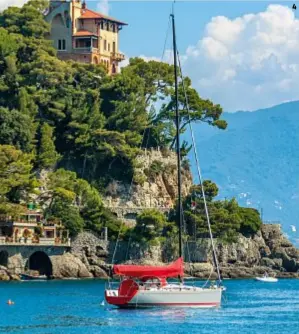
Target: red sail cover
[(172, 270)]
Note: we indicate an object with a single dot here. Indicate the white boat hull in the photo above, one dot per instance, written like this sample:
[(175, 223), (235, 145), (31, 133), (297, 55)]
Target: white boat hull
[(267, 279), (173, 296)]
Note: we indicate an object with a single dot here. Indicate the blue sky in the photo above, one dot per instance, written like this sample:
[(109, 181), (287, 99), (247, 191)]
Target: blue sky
[(148, 21), (243, 55)]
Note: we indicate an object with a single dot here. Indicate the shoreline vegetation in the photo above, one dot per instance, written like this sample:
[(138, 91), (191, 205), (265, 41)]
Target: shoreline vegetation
[(268, 251), (69, 132)]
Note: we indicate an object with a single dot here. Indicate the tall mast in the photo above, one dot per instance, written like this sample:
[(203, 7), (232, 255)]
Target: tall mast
[(177, 119)]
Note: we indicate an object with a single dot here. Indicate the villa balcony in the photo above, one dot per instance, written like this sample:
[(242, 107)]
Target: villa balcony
[(117, 56), (86, 50), (10, 241)]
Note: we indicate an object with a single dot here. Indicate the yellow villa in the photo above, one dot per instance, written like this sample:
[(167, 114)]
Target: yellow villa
[(31, 228), (83, 35)]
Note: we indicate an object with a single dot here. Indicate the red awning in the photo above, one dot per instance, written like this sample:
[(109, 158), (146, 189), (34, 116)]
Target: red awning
[(172, 270)]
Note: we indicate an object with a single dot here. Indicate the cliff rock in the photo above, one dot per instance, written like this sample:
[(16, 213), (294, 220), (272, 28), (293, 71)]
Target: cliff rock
[(154, 186), (92, 252), (68, 265), (268, 250), (15, 263), (6, 275), (98, 272)]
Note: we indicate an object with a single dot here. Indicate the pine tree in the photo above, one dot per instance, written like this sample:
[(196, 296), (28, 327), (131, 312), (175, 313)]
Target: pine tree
[(15, 167), (48, 157)]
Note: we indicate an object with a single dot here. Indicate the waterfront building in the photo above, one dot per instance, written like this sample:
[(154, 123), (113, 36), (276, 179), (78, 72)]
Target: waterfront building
[(31, 228), (83, 35)]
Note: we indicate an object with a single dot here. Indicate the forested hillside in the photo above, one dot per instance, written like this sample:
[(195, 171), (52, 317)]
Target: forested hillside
[(82, 127)]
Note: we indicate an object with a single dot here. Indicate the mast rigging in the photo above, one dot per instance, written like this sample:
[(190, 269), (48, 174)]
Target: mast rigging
[(177, 119)]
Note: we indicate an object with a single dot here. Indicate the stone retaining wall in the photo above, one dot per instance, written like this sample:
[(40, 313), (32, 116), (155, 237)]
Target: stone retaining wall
[(18, 255)]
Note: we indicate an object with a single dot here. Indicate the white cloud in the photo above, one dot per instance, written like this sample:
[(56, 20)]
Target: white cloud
[(246, 63), (9, 3), (249, 62), (103, 7)]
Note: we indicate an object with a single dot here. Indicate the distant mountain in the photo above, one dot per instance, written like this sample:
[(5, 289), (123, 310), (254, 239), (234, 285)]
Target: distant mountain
[(256, 160)]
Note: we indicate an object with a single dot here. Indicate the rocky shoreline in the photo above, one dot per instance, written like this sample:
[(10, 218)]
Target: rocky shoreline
[(6, 275), (267, 251)]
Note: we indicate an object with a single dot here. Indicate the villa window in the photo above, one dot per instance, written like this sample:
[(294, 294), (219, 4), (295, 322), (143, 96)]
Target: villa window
[(105, 45), (83, 43), (61, 45), (102, 25), (113, 27), (109, 47), (107, 26)]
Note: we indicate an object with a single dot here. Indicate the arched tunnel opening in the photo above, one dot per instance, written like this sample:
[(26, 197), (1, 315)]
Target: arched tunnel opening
[(40, 261), (3, 258)]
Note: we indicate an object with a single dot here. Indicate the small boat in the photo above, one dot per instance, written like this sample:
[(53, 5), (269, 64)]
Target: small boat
[(28, 277), (266, 278)]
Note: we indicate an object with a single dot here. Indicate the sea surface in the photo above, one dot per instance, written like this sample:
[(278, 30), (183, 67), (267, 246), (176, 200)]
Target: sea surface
[(75, 306)]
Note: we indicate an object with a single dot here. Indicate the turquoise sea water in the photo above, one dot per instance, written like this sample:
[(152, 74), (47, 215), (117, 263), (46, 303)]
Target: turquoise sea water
[(75, 307)]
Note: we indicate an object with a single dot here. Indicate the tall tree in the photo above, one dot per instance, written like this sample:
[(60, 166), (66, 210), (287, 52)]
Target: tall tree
[(47, 156), (15, 168), (17, 129), (149, 225)]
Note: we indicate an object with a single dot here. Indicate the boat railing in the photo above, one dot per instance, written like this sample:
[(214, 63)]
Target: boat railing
[(112, 285)]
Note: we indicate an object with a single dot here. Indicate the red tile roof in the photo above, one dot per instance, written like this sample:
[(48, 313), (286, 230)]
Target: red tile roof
[(90, 14), (84, 33)]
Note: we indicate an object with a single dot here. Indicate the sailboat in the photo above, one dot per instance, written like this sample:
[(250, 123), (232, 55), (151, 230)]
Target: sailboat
[(147, 286)]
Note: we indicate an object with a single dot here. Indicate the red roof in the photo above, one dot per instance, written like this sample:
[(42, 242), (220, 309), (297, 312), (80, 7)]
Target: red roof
[(84, 33), (172, 270), (90, 14)]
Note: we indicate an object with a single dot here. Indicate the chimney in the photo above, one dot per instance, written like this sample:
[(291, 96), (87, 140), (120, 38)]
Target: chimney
[(83, 4)]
